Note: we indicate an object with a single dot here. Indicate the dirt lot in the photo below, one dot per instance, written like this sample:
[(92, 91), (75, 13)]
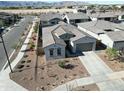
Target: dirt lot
[(38, 11), (91, 87), (115, 65), (42, 75)]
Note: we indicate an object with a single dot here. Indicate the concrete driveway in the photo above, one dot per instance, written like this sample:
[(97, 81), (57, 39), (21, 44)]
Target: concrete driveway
[(94, 64), (99, 72)]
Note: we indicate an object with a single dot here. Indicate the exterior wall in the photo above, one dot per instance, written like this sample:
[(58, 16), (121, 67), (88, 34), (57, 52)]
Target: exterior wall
[(45, 23), (55, 21), (110, 18), (73, 21), (50, 23), (89, 32), (55, 56), (106, 40), (118, 45)]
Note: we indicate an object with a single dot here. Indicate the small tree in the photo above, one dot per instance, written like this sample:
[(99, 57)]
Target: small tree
[(112, 53)]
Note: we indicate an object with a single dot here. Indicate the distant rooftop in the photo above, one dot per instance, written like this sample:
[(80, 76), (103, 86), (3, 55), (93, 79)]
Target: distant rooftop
[(116, 36), (104, 14), (100, 26), (77, 16), (49, 16)]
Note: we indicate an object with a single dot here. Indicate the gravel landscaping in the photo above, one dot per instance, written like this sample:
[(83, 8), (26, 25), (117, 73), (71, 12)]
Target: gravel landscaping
[(48, 75), (115, 65)]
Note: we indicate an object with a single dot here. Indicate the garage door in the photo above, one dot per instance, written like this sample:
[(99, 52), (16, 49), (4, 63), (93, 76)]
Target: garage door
[(84, 47)]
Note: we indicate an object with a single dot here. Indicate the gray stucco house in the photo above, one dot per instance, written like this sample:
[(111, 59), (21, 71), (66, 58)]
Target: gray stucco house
[(107, 16), (74, 18), (49, 19), (107, 33), (62, 37)]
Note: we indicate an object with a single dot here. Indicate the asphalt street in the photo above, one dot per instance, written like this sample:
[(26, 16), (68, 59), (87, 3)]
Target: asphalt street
[(12, 37)]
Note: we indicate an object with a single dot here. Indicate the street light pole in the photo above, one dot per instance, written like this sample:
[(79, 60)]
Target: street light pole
[(5, 51)]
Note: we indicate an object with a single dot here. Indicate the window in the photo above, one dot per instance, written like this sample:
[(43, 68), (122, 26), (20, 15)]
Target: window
[(108, 30), (59, 51), (51, 51), (53, 23)]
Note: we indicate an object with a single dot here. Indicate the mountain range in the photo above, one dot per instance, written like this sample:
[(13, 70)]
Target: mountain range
[(38, 3)]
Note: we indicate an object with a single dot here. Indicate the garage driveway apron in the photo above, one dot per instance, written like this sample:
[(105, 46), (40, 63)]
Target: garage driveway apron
[(99, 70)]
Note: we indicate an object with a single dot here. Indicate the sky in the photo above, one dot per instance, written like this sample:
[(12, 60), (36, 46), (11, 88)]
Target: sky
[(92, 1)]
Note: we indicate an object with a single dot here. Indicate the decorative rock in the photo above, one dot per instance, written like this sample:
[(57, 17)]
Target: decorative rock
[(30, 78), (42, 77), (23, 78), (54, 84), (42, 87), (62, 81)]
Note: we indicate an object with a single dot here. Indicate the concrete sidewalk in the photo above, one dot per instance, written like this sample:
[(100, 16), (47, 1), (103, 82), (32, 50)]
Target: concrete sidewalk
[(6, 83), (110, 82), (105, 84)]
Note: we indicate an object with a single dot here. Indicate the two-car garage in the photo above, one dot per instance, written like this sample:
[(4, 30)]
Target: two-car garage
[(84, 47), (84, 44)]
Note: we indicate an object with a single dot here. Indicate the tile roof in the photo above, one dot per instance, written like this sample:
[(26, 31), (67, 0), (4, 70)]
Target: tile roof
[(77, 15), (98, 26), (105, 14), (51, 34), (49, 38), (49, 16), (116, 36)]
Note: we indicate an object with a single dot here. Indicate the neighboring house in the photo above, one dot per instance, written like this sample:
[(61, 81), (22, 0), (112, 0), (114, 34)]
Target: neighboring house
[(7, 19), (63, 37), (82, 10), (107, 33), (49, 19), (74, 18), (107, 16)]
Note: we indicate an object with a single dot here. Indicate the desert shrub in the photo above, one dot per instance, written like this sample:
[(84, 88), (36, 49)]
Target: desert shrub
[(111, 53), (36, 27), (61, 64), (32, 45)]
